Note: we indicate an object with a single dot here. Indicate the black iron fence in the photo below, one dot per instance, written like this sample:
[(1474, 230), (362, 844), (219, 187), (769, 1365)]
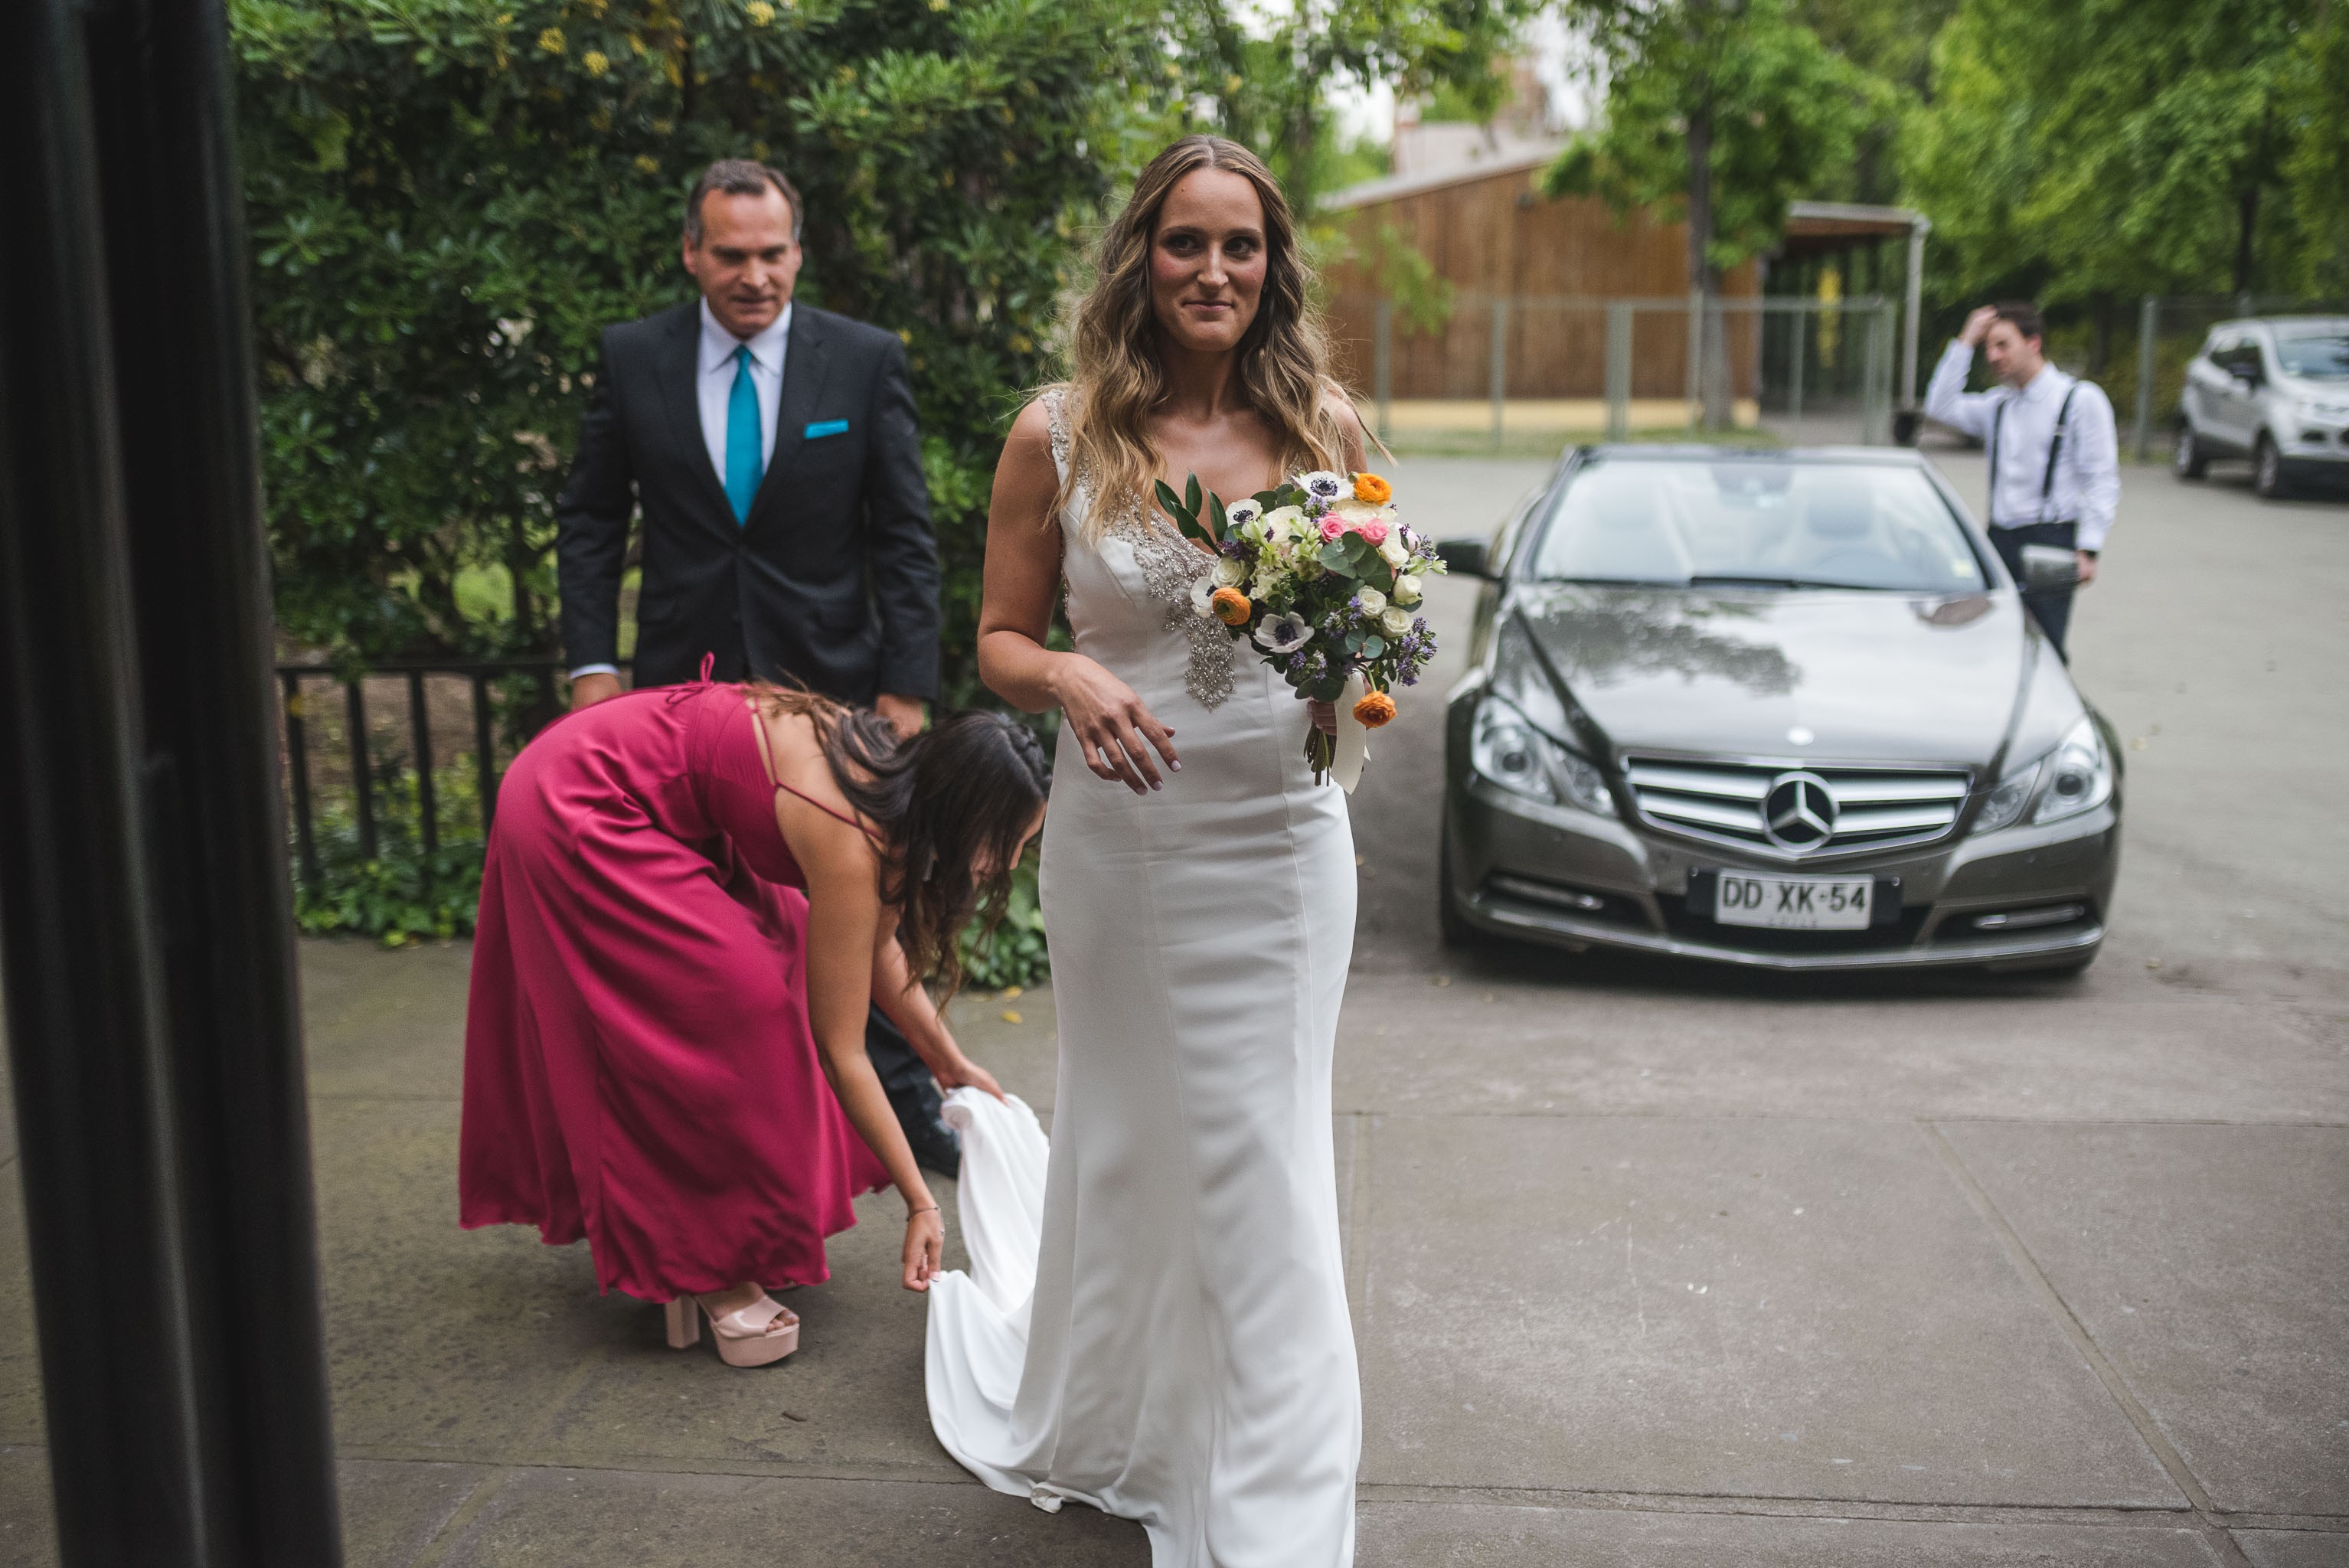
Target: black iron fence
[(302, 684)]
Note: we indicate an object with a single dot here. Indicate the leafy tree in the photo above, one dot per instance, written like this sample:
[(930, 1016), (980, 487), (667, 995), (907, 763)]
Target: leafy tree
[(449, 199), (1723, 111), (2120, 147), (1263, 76)]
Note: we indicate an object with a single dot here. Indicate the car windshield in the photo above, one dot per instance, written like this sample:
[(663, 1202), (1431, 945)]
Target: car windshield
[(2317, 356), (1759, 523)]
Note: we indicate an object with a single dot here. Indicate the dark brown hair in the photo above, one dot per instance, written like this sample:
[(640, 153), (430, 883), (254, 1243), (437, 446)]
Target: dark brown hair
[(2019, 313), (739, 177), (968, 787)]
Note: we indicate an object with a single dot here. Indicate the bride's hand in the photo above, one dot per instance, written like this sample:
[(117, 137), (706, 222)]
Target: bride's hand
[(1325, 714), (925, 1238), (1117, 733)]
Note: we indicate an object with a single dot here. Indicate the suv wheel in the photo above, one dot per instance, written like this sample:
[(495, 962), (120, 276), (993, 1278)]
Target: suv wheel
[(2189, 460), (2267, 474)]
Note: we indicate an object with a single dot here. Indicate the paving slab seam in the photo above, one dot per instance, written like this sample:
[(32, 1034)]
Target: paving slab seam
[(461, 1519), (1764, 1506), (946, 1474), (2211, 1518)]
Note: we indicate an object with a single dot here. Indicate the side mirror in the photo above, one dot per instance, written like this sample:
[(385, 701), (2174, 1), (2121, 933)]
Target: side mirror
[(1464, 557)]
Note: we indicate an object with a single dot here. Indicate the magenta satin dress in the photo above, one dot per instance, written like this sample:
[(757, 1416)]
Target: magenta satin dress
[(638, 1064)]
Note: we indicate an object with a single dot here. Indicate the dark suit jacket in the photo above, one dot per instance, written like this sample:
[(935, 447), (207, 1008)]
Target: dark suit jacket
[(834, 580)]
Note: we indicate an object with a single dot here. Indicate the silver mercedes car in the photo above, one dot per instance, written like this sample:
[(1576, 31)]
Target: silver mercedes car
[(1778, 709)]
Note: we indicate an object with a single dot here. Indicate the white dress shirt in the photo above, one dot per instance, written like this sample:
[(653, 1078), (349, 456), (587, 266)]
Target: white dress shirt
[(713, 385), (2087, 487)]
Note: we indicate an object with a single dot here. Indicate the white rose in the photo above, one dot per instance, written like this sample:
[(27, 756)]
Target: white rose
[(1396, 622), (1407, 590), (1228, 572), (1283, 522), (1393, 550), (1201, 592), (1370, 600), (1357, 511)]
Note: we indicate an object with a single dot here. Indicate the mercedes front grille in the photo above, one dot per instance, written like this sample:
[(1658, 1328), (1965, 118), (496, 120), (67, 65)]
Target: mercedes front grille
[(1788, 809)]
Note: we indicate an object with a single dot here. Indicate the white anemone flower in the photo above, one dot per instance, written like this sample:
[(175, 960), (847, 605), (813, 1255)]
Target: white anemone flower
[(1322, 485), (1395, 621), (1283, 633), (1407, 589), (1228, 572), (1240, 513), (1370, 600), (1202, 593)]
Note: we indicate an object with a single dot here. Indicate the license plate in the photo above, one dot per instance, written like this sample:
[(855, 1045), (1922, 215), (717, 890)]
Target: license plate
[(1792, 903)]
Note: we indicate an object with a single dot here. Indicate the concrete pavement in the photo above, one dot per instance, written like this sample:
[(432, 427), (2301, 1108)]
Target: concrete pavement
[(1650, 1265)]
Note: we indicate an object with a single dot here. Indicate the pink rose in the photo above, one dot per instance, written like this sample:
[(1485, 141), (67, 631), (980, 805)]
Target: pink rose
[(1374, 533), (1334, 529)]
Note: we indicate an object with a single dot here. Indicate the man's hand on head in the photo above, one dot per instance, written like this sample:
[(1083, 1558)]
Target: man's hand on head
[(904, 714), (1977, 326), (590, 689)]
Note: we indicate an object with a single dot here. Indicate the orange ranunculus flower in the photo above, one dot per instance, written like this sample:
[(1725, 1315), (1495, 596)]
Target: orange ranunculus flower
[(1231, 606), (1372, 488), (1376, 709)]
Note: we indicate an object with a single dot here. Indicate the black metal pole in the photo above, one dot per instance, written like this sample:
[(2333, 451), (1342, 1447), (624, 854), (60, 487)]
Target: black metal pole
[(485, 756), (298, 772), (160, 586), (78, 949), (419, 720), (362, 769)]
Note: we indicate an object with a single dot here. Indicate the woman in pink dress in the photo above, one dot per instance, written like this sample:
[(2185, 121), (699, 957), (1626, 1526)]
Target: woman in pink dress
[(690, 894)]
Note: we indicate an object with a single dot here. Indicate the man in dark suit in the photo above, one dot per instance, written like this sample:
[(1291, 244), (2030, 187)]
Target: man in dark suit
[(773, 451)]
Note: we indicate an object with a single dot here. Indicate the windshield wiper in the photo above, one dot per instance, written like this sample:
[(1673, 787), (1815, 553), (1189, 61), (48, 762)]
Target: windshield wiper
[(1741, 581)]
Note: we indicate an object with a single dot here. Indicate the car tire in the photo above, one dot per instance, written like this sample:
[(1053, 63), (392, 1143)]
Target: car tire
[(1449, 921), (2189, 460), (2267, 470)]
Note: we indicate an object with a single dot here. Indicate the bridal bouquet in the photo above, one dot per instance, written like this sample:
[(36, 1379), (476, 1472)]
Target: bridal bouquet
[(1320, 575)]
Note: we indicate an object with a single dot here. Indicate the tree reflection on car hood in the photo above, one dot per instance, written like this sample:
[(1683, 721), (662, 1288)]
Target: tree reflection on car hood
[(1872, 675)]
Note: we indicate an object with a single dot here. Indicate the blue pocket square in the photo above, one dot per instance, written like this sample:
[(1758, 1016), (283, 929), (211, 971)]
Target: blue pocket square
[(825, 427)]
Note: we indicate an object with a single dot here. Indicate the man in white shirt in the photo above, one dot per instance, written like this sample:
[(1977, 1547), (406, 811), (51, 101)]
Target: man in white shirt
[(2055, 455)]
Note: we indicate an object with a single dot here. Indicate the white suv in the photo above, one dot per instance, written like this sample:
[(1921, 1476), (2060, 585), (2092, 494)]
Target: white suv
[(2274, 390)]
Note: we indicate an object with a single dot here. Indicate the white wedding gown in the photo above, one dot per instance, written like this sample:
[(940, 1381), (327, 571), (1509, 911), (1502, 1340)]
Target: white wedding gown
[(1186, 1359)]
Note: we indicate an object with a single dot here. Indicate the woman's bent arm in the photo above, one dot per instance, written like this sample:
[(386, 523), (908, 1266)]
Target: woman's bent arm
[(843, 912), (909, 1007), (1118, 734)]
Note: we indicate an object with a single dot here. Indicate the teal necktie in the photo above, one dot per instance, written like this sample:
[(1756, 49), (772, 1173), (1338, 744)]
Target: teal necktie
[(746, 465)]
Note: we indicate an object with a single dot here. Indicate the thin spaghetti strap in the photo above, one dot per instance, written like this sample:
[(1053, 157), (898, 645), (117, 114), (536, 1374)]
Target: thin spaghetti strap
[(774, 775)]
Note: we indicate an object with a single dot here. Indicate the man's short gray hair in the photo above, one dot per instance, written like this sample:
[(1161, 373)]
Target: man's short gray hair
[(739, 177)]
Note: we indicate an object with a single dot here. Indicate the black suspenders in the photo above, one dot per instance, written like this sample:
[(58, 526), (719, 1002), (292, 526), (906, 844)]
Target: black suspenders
[(2055, 449)]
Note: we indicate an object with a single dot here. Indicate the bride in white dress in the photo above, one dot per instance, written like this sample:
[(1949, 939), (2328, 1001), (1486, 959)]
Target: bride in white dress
[(1186, 1359)]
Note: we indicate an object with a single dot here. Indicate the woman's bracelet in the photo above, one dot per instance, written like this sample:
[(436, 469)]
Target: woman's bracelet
[(917, 1214)]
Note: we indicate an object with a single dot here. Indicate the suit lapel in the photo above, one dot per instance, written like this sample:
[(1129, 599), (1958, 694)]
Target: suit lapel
[(679, 372), (804, 362)]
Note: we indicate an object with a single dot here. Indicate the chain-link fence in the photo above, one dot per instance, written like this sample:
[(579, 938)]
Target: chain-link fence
[(1568, 367)]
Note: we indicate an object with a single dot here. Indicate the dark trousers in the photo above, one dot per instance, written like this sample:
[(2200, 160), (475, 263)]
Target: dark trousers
[(913, 1093), (2053, 611)]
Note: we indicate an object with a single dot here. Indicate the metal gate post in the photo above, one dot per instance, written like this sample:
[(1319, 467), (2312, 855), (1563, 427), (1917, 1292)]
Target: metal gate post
[(1801, 318), (1619, 370), (2148, 329), (1500, 368)]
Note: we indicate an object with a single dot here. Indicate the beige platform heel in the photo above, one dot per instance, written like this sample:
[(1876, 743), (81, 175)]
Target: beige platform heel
[(747, 1336)]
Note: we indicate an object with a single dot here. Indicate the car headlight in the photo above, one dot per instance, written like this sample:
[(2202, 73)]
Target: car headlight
[(1512, 753), (2076, 776), (2079, 776)]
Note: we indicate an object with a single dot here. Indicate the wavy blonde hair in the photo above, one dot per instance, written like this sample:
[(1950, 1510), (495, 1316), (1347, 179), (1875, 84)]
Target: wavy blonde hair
[(1116, 380)]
